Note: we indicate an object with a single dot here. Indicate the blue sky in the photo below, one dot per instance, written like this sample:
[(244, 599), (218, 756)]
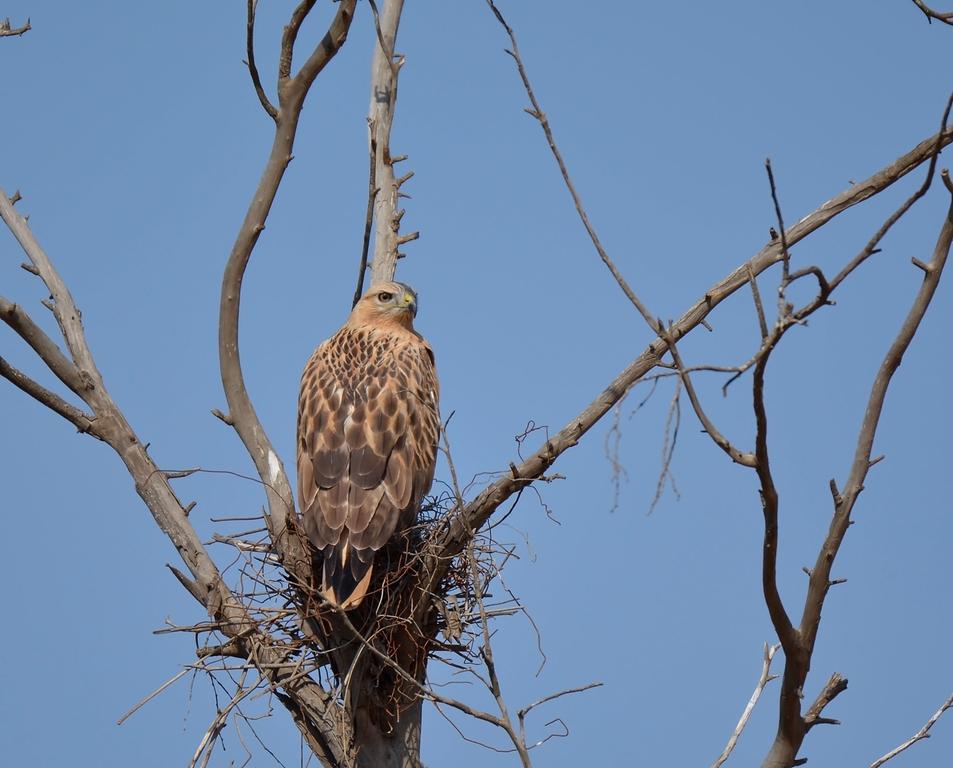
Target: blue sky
[(136, 139)]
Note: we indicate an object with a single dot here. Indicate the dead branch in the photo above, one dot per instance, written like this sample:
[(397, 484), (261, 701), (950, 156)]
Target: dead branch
[(785, 253), (537, 113), (769, 503), (6, 30), (292, 91), (834, 686), (793, 726), (108, 423), (820, 577), (759, 307), (923, 733), (250, 61), (746, 459), (522, 713), (871, 247), (471, 517), (146, 699), (765, 678), (384, 189), (313, 708), (673, 421), (486, 653), (82, 421), (945, 18)]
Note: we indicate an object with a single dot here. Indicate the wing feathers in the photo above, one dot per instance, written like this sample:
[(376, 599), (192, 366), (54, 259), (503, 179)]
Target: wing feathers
[(367, 440)]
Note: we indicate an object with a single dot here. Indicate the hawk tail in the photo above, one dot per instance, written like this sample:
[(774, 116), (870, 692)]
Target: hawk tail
[(346, 575)]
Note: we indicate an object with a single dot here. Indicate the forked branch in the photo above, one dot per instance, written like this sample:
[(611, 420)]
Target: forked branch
[(792, 726), (468, 519), (107, 422), (292, 91)]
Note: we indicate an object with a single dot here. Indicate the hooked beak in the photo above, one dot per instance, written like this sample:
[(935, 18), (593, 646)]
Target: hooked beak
[(408, 302)]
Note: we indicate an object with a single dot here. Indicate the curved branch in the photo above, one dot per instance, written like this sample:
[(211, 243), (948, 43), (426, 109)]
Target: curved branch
[(844, 502), (537, 113), (792, 726), (252, 67), (109, 424), (292, 93), (743, 458), (788, 636), (945, 18)]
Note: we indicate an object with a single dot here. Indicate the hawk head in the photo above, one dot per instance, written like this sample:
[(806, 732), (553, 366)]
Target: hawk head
[(386, 304)]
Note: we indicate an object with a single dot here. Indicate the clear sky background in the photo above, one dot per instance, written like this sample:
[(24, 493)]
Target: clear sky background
[(134, 134)]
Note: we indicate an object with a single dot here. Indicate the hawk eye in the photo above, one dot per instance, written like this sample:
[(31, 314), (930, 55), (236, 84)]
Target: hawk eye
[(385, 296)]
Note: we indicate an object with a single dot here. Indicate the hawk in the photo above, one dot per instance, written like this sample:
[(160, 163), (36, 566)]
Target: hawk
[(368, 424)]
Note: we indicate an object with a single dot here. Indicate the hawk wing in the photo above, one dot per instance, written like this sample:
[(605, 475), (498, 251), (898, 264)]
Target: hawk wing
[(367, 446)]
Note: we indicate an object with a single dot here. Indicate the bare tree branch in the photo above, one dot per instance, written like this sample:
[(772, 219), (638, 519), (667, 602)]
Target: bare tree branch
[(291, 94), (946, 18), (470, 517), (384, 189), (765, 678), (252, 67), (6, 30), (785, 254), (792, 726), (834, 686), (759, 307), (923, 733), (769, 503), (317, 714), (871, 247), (746, 459), (82, 421), (18, 319), (537, 113), (820, 577), (109, 424)]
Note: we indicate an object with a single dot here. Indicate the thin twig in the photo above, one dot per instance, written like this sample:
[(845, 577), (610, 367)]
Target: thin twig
[(759, 307), (871, 247), (783, 309), (746, 459), (540, 116), (368, 222), (252, 67), (765, 678), (673, 421), (142, 702), (923, 733)]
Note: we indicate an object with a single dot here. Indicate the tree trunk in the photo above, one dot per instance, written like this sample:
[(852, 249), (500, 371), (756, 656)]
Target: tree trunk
[(398, 749)]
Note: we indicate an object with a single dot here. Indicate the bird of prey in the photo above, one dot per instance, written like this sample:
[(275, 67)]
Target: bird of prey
[(368, 424)]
